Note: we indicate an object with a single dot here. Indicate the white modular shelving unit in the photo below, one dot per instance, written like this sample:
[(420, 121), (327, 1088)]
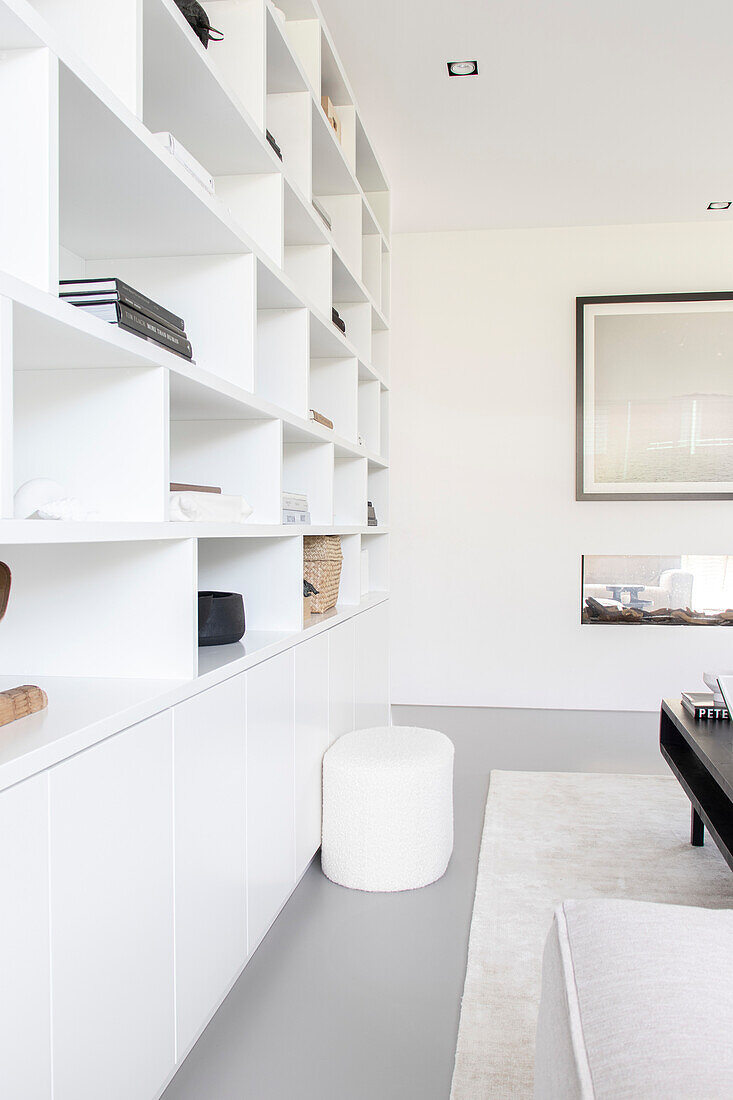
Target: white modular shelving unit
[(150, 748)]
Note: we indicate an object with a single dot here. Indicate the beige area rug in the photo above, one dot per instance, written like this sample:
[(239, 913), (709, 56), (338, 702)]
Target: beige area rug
[(548, 837)]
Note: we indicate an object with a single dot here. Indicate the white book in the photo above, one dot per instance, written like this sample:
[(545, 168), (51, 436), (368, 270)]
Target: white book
[(299, 518), (295, 502), (192, 166)]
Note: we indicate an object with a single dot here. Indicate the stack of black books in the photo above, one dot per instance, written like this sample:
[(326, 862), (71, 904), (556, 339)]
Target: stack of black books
[(114, 301), (274, 145), (337, 320)]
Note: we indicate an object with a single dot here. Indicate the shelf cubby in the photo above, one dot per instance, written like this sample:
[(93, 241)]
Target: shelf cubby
[(308, 469), (309, 269), (331, 172), (371, 266), (98, 433), (384, 424), (349, 490), (368, 169), (6, 409), (267, 571), (303, 32), (302, 224), (212, 106), (380, 203), (284, 71), (358, 319), (380, 353), (29, 187), (241, 457), (377, 547), (110, 35), (385, 298), (326, 340), (240, 58), (369, 414), (378, 492), (345, 214), (256, 201), (100, 609), (282, 358), (121, 194), (350, 584), (215, 296), (333, 392), (289, 121)]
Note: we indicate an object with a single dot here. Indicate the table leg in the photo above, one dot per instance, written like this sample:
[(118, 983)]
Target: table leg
[(697, 829)]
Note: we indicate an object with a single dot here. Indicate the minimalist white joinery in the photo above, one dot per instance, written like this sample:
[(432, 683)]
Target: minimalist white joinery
[(200, 769)]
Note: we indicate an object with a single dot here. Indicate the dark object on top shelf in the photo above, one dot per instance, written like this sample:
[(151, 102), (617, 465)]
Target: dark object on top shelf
[(5, 582), (371, 515), (274, 144), (198, 20), (221, 618), (337, 320)]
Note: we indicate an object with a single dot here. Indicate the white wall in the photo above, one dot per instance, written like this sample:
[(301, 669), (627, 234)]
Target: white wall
[(487, 535)]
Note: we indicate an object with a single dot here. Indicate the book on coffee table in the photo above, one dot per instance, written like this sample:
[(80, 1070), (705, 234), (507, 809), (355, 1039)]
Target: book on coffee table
[(702, 706)]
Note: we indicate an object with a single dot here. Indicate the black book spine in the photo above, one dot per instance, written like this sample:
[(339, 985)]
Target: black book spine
[(708, 714), (134, 300), (136, 322), (142, 304)]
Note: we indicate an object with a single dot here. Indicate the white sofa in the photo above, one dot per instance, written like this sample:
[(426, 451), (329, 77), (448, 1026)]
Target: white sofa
[(637, 1003)]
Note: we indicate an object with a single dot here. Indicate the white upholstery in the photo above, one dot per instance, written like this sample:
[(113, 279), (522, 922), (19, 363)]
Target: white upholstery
[(637, 1002), (387, 808), (674, 590)]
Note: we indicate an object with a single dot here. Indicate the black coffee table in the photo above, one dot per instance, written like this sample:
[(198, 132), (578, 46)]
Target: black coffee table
[(700, 753)]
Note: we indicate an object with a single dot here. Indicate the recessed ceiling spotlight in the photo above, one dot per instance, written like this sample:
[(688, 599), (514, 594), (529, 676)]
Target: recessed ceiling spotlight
[(462, 68), (718, 205)]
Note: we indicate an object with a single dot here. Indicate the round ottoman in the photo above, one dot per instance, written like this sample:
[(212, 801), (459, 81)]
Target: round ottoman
[(387, 808)]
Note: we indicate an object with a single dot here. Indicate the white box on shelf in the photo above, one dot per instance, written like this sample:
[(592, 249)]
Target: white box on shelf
[(189, 162)]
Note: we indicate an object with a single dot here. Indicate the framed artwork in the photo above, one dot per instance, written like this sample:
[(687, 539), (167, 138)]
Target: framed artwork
[(655, 397)]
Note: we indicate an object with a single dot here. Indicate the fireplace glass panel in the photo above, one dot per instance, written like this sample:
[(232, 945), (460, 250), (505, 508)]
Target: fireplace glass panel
[(684, 590)]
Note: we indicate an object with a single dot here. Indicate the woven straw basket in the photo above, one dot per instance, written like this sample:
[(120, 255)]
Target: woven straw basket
[(322, 558)]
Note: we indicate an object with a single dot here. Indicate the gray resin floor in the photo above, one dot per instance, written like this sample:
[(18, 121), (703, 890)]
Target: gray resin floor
[(356, 996)]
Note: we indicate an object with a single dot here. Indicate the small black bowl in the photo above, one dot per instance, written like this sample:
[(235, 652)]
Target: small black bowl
[(221, 618)]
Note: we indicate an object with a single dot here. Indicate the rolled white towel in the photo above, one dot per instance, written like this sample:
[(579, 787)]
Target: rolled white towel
[(209, 508)]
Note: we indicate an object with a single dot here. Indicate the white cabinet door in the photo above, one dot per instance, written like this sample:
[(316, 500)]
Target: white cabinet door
[(372, 667), (341, 679), (270, 781), (25, 979), (209, 748), (112, 916), (311, 741)]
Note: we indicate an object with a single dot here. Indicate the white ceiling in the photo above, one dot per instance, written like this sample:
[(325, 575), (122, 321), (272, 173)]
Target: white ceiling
[(584, 112)]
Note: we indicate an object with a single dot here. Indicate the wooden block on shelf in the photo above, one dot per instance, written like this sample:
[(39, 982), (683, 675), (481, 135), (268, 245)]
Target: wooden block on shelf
[(20, 702), (331, 115)]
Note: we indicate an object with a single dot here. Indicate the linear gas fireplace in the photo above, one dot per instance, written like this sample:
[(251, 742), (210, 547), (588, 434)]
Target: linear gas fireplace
[(684, 590)]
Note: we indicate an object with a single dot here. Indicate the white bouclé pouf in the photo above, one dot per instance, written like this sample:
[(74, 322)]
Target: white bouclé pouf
[(387, 808)]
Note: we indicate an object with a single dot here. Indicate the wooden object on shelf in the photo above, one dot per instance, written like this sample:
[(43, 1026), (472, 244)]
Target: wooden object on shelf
[(333, 118), (181, 487), (322, 561), (20, 702), (320, 419)]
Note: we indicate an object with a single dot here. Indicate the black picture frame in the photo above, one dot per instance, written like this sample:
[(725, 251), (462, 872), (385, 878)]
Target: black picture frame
[(582, 307)]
